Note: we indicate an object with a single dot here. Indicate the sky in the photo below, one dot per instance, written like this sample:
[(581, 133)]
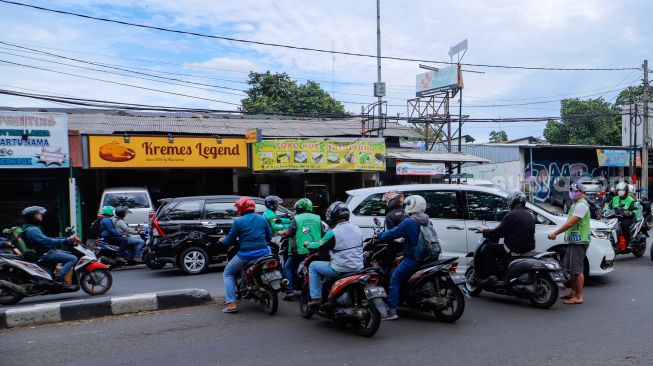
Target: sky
[(544, 33)]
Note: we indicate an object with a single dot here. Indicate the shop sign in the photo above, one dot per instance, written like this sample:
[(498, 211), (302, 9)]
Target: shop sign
[(166, 152), (318, 155), (423, 169), (34, 140), (616, 158), (461, 176), (253, 135), (446, 78)]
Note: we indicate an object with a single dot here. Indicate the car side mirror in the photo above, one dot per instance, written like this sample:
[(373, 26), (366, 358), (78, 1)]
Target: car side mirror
[(377, 221)]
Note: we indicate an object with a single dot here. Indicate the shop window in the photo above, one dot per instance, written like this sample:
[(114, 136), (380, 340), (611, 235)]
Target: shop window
[(371, 206), (126, 199), (440, 204), (185, 210), (483, 206)]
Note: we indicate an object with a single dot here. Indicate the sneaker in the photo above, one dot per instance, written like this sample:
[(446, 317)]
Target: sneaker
[(392, 315), (231, 308), (289, 296), (315, 302)]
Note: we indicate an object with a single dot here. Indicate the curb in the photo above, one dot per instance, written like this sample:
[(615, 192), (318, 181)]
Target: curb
[(99, 307)]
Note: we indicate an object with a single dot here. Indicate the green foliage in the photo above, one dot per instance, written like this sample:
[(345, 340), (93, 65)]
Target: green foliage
[(498, 136), (278, 94), (633, 94), (585, 122), (420, 128)]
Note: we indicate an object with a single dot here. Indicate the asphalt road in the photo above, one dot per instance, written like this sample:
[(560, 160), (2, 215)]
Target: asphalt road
[(611, 328)]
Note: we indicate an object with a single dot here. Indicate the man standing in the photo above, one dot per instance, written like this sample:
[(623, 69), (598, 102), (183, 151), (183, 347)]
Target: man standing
[(577, 237)]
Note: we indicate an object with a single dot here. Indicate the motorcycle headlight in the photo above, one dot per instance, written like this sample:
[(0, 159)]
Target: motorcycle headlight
[(599, 234), (553, 265)]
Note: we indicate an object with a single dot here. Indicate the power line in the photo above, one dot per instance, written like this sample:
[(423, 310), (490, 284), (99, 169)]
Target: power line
[(232, 39)]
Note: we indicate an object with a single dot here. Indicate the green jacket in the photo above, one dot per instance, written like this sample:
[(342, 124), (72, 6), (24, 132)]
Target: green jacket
[(15, 234), (580, 232), (630, 205), (276, 223), (305, 227)]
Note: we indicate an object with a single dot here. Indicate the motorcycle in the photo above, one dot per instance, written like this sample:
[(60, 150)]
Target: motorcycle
[(434, 287), (19, 278), (111, 255), (353, 298), (534, 276), (638, 233)]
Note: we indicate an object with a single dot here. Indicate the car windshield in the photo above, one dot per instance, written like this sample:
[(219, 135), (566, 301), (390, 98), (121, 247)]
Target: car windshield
[(126, 199), (592, 186)]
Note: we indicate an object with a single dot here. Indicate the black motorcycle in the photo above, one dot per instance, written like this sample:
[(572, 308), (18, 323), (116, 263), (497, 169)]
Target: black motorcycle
[(638, 233), (534, 276)]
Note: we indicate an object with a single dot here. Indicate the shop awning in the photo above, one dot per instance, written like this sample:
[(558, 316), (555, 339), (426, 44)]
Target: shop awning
[(441, 157)]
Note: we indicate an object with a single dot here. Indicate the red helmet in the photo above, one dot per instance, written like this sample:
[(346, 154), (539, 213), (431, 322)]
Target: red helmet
[(244, 205), (393, 199)]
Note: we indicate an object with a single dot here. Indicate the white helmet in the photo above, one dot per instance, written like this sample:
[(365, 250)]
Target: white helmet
[(414, 204)]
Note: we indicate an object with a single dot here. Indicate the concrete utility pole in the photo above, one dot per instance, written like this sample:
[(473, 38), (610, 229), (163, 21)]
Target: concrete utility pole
[(644, 192), (378, 62)]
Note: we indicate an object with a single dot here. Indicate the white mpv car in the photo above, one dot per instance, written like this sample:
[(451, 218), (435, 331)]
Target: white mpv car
[(457, 209)]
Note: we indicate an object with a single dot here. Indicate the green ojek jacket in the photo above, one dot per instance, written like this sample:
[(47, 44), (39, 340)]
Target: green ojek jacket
[(309, 229), (276, 223)]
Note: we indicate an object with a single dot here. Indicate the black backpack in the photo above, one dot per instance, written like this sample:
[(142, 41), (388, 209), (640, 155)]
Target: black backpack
[(95, 230)]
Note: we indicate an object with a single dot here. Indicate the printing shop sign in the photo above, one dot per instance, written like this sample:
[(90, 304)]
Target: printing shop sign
[(33, 140)]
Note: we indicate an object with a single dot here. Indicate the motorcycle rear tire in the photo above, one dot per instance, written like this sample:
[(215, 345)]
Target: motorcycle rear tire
[(372, 326), (304, 309), (553, 295), (470, 278), (270, 301), (458, 307), (639, 251), (91, 290), (10, 298)]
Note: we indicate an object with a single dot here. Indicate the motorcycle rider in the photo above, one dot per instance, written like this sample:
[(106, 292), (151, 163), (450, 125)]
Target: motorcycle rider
[(394, 202), (276, 223), (345, 244), (305, 226), (133, 236), (518, 230), (110, 234), (409, 229), (628, 205), (253, 233), (46, 248)]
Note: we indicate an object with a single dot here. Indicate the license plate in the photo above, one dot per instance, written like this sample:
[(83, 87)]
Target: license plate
[(271, 276), (374, 292), (458, 279)]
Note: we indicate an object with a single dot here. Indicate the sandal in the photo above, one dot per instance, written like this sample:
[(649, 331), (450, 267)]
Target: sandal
[(572, 302)]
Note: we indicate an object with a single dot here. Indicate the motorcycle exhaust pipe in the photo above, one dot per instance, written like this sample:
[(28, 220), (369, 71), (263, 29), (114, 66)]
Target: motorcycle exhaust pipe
[(14, 287)]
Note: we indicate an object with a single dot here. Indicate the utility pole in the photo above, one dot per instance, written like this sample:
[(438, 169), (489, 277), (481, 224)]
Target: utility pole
[(644, 190), (378, 65)]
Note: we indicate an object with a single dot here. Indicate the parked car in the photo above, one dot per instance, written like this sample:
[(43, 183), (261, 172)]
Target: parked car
[(138, 201), (186, 230), (457, 209), (560, 193)]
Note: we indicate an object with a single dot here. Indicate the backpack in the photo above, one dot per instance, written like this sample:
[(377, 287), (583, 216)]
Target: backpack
[(428, 244), (95, 229)]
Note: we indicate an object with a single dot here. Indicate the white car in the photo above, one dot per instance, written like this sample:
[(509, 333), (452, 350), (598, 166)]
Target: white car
[(456, 210), (137, 200)]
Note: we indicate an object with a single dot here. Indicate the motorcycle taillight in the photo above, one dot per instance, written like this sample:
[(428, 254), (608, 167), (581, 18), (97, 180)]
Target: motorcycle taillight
[(454, 267), (372, 279), (271, 265)]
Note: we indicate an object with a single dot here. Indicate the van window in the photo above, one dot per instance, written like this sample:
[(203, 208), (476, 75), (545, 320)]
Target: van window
[(440, 204), (219, 211), (484, 206), (371, 206), (185, 210), (126, 199), (539, 219)]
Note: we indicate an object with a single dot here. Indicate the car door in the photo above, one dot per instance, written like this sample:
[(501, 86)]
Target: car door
[(482, 209), (182, 223), (444, 209), (217, 220)]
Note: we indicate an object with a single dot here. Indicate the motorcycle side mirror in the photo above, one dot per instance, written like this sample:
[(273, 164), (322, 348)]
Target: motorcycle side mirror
[(377, 221)]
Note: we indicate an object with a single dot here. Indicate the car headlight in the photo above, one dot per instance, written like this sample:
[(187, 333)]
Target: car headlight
[(599, 234)]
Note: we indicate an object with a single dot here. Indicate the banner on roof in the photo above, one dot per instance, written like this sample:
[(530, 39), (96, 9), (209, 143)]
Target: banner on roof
[(617, 158), (166, 152), (420, 169), (34, 140), (318, 155)]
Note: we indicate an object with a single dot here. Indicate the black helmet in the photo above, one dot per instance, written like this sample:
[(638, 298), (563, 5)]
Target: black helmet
[(337, 212), (121, 212), (516, 198), (272, 202), (29, 212)]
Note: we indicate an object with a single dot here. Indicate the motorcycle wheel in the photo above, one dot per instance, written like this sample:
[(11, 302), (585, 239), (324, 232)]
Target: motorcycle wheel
[(96, 282), (638, 252), (471, 282), (304, 309), (269, 301), (550, 295), (370, 325), (455, 311), (9, 298)]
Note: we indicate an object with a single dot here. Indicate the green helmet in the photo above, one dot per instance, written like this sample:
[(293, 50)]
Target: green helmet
[(107, 211), (303, 205)]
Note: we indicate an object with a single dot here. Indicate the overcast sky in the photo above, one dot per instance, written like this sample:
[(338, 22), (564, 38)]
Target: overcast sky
[(550, 33)]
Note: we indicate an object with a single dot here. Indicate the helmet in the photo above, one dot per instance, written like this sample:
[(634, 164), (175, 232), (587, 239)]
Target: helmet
[(107, 211), (338, 211), (303, 205), (622, 186), (516, 198), (272, 202), (393, 199), (29, 212), (414, 204), (244, 205), (121, 211)]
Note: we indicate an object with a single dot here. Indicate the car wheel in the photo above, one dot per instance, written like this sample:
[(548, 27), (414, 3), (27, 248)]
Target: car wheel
[(565, 207), (193, 260)]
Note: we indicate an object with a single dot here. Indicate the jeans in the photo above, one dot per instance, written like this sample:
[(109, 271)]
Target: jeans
[(315, 273), (122, 243), (230, 276), (403, 271), (55, 256), (491, 254), (137, 243), (290, 268)]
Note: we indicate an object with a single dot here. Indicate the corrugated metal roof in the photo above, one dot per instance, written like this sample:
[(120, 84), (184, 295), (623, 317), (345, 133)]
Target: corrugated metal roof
[(493, 152), (421, 155), (106, 124)]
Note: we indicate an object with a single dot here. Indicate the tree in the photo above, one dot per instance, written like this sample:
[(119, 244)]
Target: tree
[(498, 136), (585, 122), (420, 128), (633, 94), (277, 93)]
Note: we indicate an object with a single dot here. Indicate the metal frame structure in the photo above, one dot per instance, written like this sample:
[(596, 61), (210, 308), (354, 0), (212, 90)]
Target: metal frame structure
[(434, 112), (374, 119)]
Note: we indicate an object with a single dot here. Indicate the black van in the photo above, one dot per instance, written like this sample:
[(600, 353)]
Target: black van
[(186, 230)]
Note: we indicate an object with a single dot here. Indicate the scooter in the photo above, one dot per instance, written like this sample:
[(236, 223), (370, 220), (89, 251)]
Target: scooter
[(19, 279), (434, 287), (534, 276), (112, 255), (638, 234)]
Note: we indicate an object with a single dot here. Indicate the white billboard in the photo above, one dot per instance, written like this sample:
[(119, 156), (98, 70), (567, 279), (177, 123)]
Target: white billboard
[(442, 79)]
